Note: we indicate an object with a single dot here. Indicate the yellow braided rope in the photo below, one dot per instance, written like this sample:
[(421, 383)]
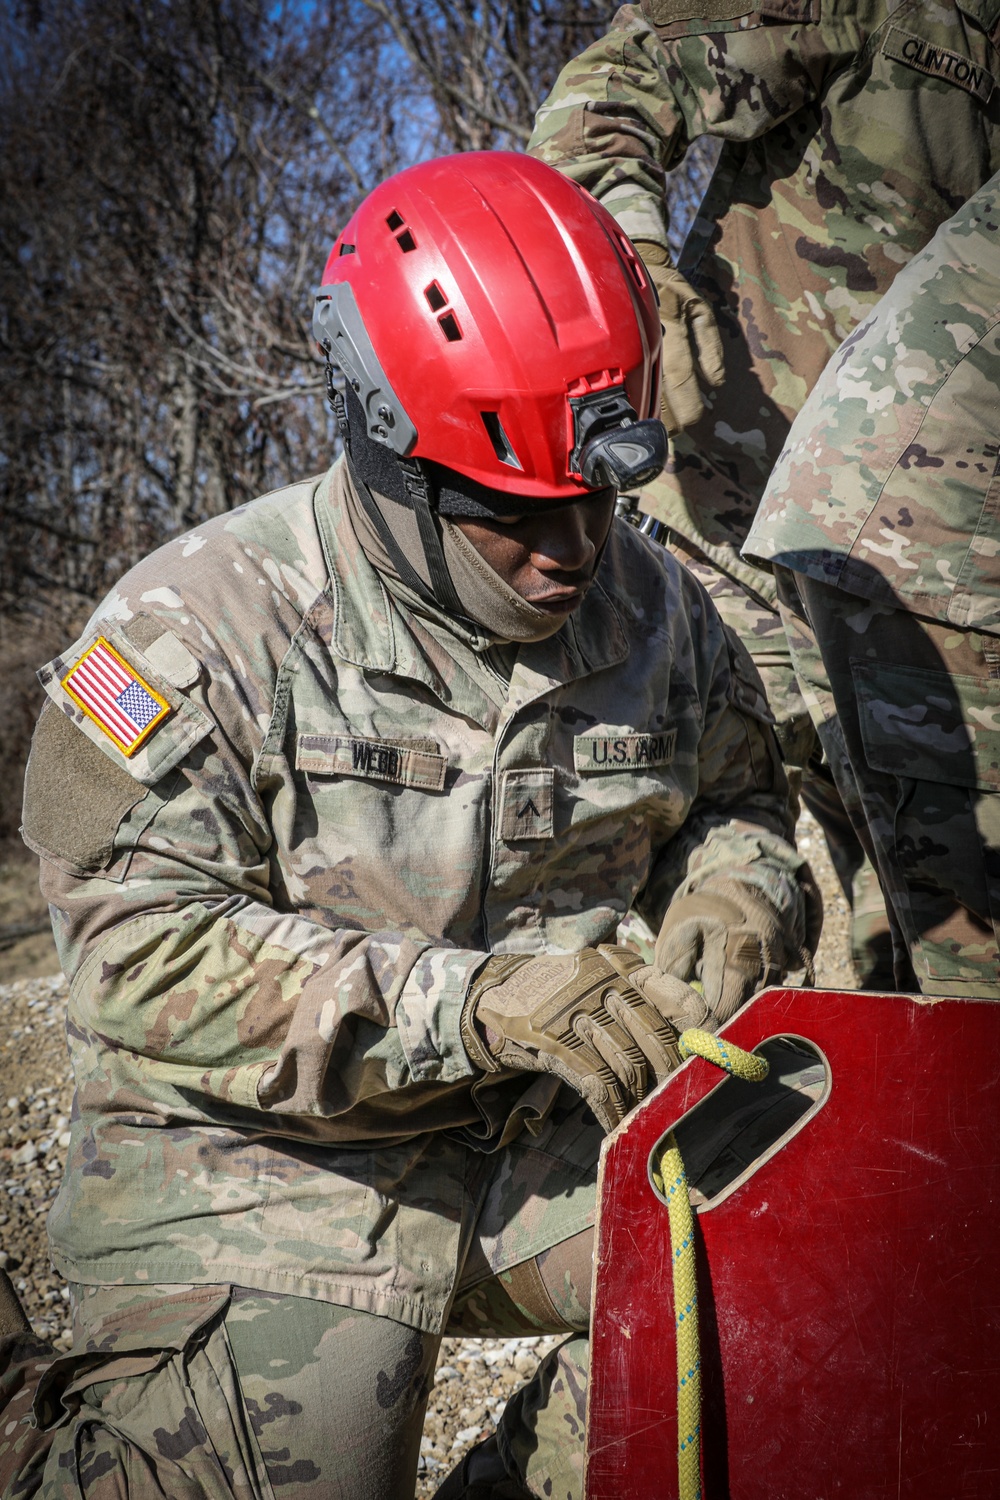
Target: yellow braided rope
[(670, 1179), (695, 1043)]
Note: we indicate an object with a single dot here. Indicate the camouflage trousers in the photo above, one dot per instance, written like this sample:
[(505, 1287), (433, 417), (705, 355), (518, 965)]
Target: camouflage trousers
[(223, 1393), (218, 1391), (908, 711), (763, 633)]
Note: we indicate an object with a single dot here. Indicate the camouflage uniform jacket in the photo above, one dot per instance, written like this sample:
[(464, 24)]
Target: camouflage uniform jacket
[(851, 129), (890, 484), (271, 910)]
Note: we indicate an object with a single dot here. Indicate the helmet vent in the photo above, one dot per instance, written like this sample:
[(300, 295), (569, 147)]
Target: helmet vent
[(632, 261), (404, 239), (450, 328), (436, 299), (499, 439), (346, 249)]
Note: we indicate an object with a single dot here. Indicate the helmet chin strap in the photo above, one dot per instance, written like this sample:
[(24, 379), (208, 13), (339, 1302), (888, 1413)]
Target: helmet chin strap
[(474, 596), (420, 497)]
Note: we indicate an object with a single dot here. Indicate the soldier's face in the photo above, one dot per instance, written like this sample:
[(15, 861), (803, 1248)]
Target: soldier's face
[(548, 557)]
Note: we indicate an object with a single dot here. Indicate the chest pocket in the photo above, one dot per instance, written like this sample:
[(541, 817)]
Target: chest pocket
[(628, 791), (957, 55), (621, 772)]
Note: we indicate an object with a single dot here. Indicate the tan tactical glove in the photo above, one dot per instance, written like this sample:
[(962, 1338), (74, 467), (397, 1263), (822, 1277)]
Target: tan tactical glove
[(691, 343), (728, 936), (600, 1019)]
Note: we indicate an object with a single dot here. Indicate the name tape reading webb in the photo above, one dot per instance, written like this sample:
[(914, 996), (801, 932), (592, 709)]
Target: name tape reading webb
[(371, 760)]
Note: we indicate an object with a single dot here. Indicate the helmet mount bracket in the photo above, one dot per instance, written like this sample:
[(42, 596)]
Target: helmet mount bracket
[(339, 330)]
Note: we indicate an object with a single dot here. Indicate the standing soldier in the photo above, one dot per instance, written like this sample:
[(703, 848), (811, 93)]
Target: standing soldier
[(886, 506), (850, 130), (340, 803)]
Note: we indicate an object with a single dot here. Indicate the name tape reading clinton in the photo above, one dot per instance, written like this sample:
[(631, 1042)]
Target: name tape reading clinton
[(114, 696), (939, 62), (623, 752)]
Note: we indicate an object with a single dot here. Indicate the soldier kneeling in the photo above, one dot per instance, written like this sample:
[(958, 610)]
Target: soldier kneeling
[(345, 805)]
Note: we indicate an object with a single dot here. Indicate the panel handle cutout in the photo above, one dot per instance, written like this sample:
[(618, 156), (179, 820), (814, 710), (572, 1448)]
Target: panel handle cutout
[(726, 1137)]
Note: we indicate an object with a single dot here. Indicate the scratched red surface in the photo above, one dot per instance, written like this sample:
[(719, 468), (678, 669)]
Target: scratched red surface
[(850, 1289)]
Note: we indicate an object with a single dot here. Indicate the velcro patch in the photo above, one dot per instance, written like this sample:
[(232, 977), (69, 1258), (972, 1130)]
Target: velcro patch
[(114, 696), (371, 759), (626, 752), (666, 12), (791, 10), (938, 62), (526, 804)]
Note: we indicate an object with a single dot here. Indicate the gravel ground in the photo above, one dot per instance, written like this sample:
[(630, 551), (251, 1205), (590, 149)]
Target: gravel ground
[(34, 1124), (474, 1376)]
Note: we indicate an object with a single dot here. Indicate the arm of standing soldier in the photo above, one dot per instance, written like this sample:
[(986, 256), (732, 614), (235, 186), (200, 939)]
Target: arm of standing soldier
[(614, 124), (623, 113), (737, 906)]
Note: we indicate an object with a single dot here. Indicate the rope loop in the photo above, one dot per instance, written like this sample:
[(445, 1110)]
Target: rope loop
[(670, 1179), (732, 1059)]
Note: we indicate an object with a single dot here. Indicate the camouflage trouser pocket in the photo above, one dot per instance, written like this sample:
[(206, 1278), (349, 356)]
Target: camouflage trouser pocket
[(226, 1393), (936, 735), (148, 1402)]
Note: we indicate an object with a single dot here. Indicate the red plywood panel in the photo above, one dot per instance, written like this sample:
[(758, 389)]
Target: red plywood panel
[(850, 1289)]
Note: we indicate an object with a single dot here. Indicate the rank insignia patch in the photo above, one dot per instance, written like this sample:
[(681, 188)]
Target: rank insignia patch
[(115, 697)]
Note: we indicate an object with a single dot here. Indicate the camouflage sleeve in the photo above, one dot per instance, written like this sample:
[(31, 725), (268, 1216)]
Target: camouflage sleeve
[(612, 123), (164, 902), (740, 824), (622, 114), (887, 483)]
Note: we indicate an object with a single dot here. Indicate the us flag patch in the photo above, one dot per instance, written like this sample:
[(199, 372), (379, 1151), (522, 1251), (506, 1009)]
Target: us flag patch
[(114, 695)]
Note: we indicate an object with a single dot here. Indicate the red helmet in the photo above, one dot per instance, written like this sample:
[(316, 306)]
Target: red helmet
[(493, 318)]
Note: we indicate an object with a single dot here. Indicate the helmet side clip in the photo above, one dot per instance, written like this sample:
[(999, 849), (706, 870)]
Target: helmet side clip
[(339, 330)]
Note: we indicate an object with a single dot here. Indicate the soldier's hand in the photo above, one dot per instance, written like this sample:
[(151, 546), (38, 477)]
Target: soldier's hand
[(692, 348), (727, 936), (600, 1019)]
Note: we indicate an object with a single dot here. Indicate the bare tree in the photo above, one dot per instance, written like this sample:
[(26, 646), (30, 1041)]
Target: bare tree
[(172, 173), (486, 67), (170, 190)]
